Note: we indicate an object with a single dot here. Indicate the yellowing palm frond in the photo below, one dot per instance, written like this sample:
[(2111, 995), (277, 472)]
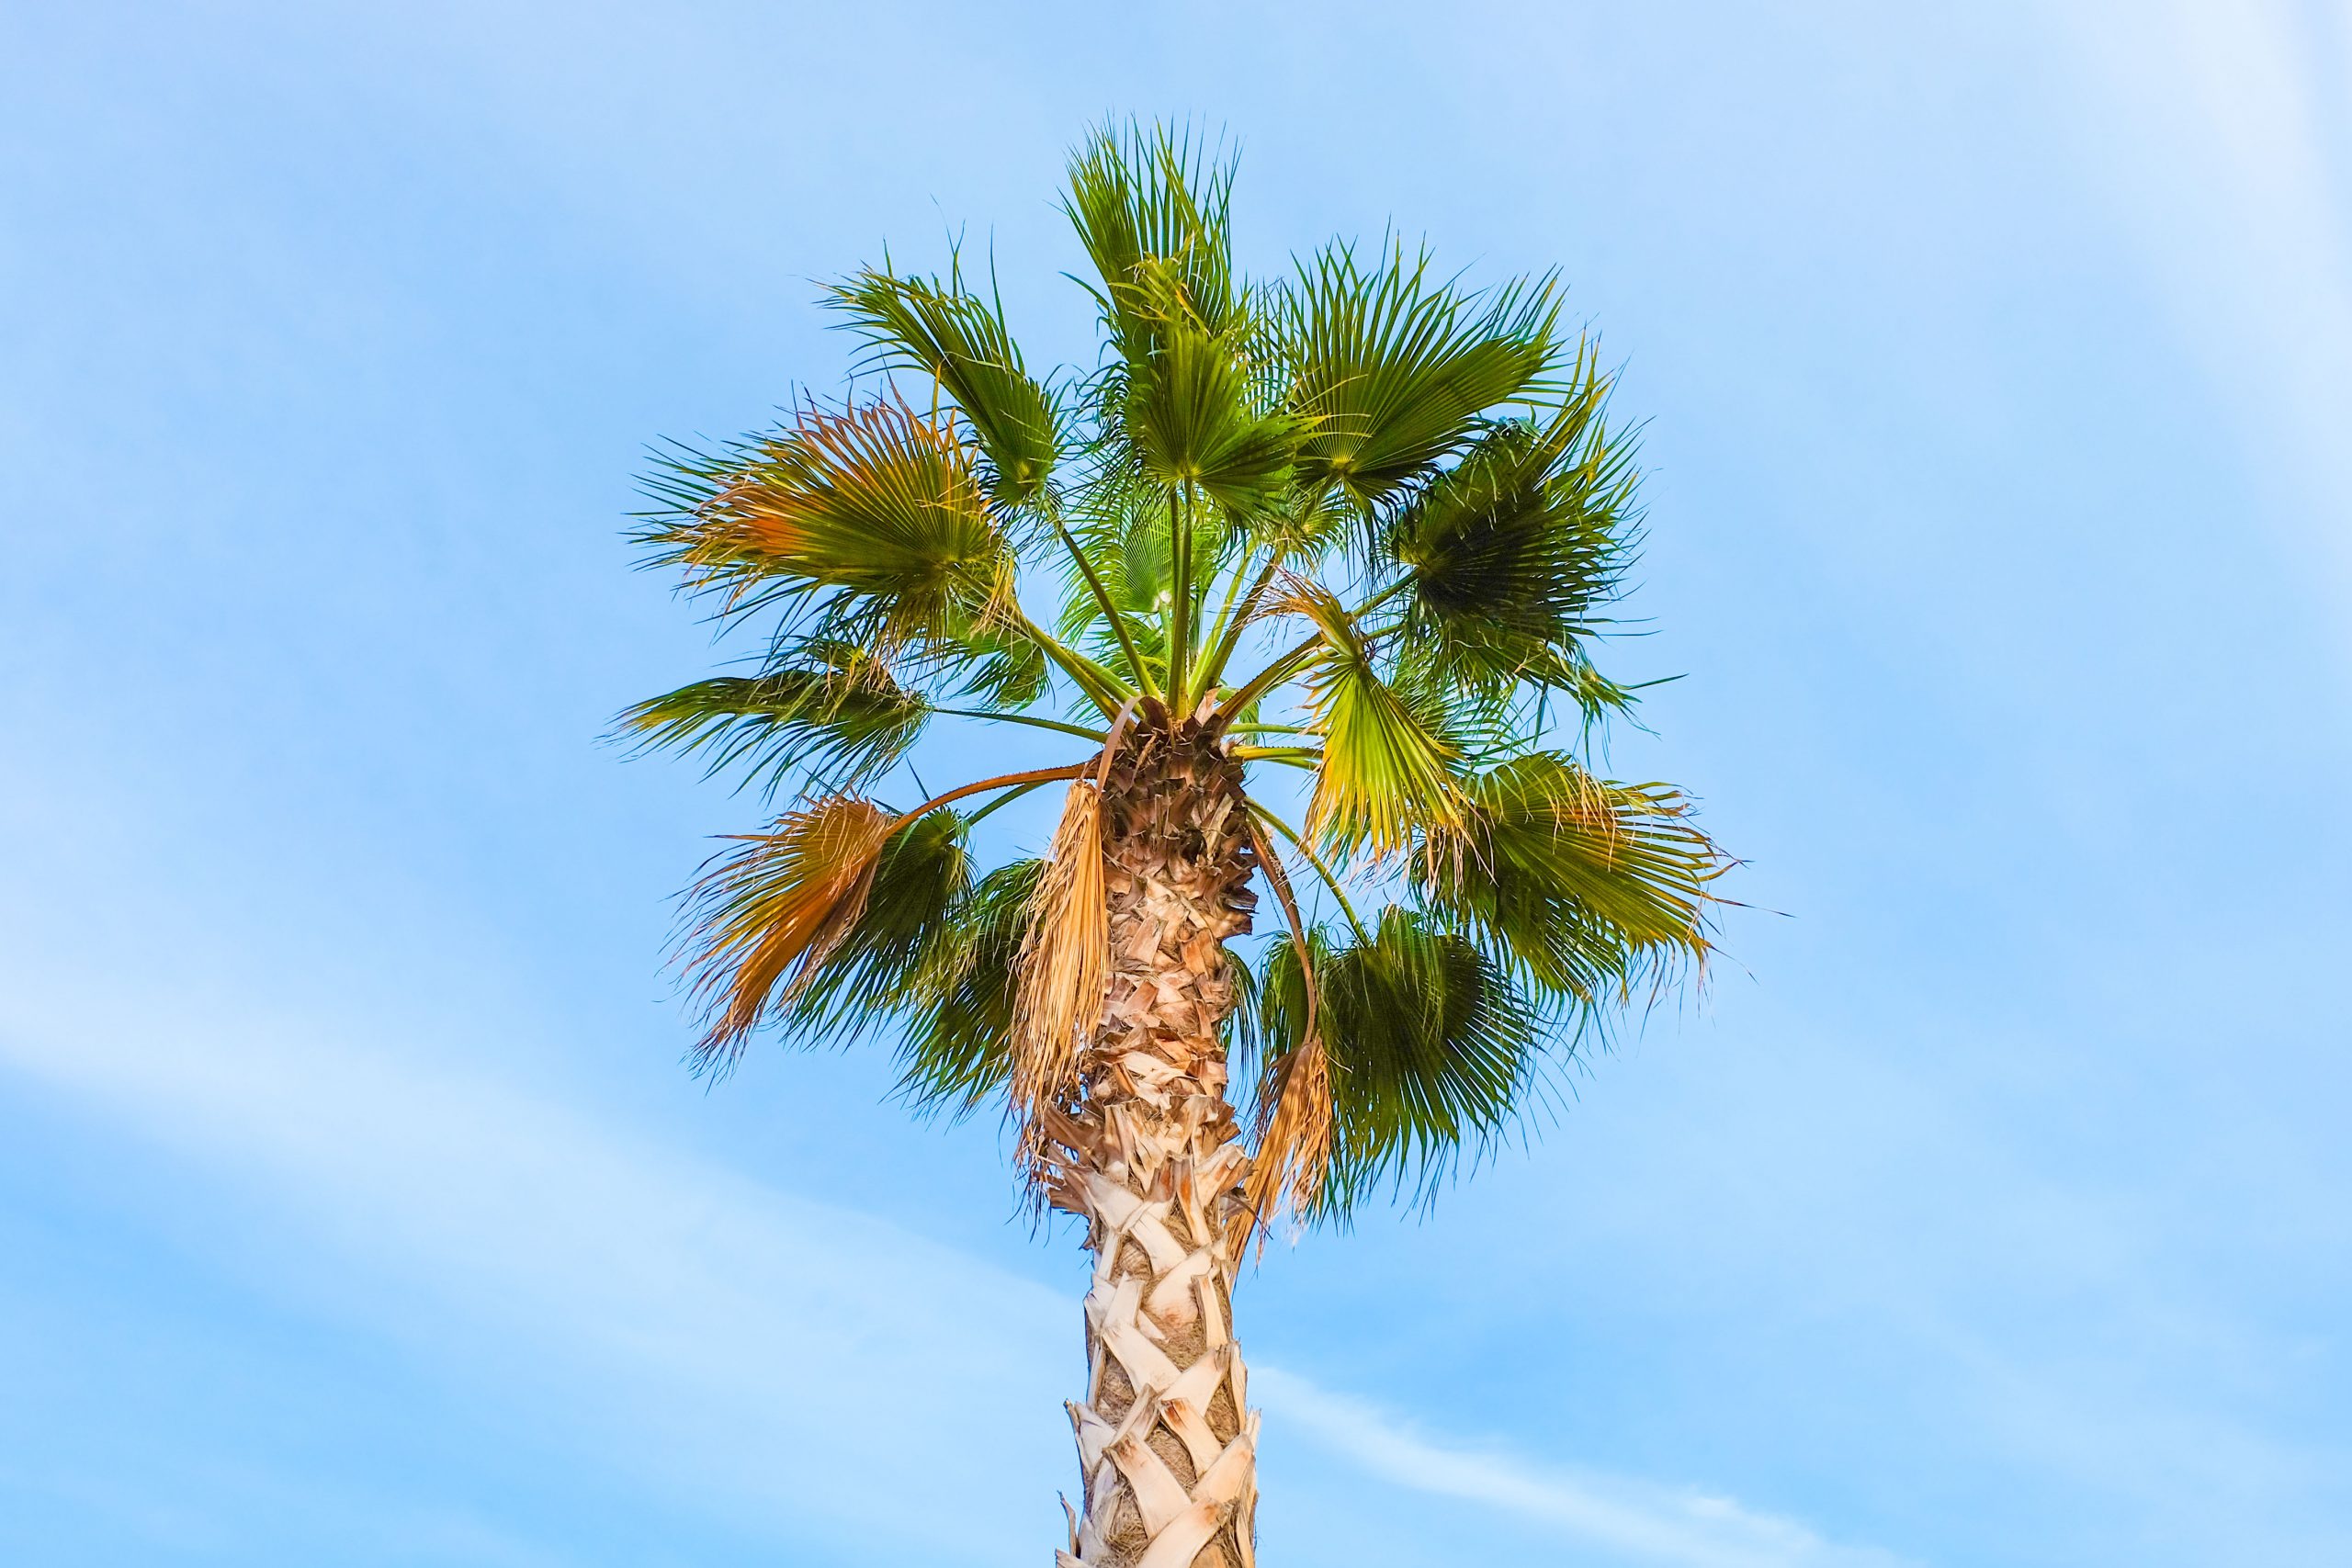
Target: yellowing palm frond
[(874, 976), (876, 509), (1587, 884), (1386, 769), (766, 915)]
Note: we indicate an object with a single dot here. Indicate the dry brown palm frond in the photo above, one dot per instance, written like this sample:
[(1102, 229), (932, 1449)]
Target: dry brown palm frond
[(1065, 963), (1293, 1136), (768, 914)]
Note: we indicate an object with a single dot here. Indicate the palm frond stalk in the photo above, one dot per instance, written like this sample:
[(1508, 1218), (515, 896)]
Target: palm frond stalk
[(1335, 548)]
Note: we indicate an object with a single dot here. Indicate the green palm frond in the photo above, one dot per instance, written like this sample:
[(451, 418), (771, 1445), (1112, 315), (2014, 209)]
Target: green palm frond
[(1194, 421), (1395, 368), (960, 341), (1432, 1050), (1387, 765), (1142, 196), (1588, 886), (958, 1049), (1510, 551), (835, 712), (877, 512)]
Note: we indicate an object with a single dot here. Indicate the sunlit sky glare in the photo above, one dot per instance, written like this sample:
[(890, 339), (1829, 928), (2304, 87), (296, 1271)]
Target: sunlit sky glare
[(1992, 1207)]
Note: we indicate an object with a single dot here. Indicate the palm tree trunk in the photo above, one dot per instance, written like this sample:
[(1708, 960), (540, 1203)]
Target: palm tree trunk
[(1148, 1154)]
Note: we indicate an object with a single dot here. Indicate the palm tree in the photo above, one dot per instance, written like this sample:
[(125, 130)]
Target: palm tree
[(1328, 554)]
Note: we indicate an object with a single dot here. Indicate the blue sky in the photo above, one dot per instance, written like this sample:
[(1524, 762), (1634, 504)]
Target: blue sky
[(1992, 1207)]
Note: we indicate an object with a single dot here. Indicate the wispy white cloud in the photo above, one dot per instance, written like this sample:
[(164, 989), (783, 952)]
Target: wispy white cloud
[(790, 1362), (1639, 1520), (787, 1363), (2225, 131)]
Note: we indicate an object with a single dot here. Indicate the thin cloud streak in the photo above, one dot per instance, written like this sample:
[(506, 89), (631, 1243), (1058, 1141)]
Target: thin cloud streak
[(722, 1346), (707, 1329), (1646, 1522), (2226, 164)]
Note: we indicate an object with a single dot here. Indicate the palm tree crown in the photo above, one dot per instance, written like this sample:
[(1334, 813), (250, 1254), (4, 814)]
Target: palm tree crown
[(1333, 547)]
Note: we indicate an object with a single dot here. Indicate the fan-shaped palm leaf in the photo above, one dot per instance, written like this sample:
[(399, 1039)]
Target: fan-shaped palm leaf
[(1395, 368), (835, 712), (1585, 884), (767, 915), (876, 511), (1152, 196), (1509, 552), (1194, 423), (1431, 1048), (960, 342)]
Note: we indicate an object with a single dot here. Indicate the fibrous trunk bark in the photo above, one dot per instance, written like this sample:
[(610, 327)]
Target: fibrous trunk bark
[(1147, 1151)]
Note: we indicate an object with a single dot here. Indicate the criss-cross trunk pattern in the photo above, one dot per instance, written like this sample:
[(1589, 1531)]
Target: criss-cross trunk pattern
[(1148, 1152)]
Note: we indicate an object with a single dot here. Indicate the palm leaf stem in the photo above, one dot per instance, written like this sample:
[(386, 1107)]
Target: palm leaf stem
[(1221, 650), (1002, 781), (1282, 669), (1329, 881), (1272, 675), (1010, 796), (1110, 610), (1215, 641), (1377, 599), (1227, 634), (1054, 724), (1102, 688), (1180, 553)]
